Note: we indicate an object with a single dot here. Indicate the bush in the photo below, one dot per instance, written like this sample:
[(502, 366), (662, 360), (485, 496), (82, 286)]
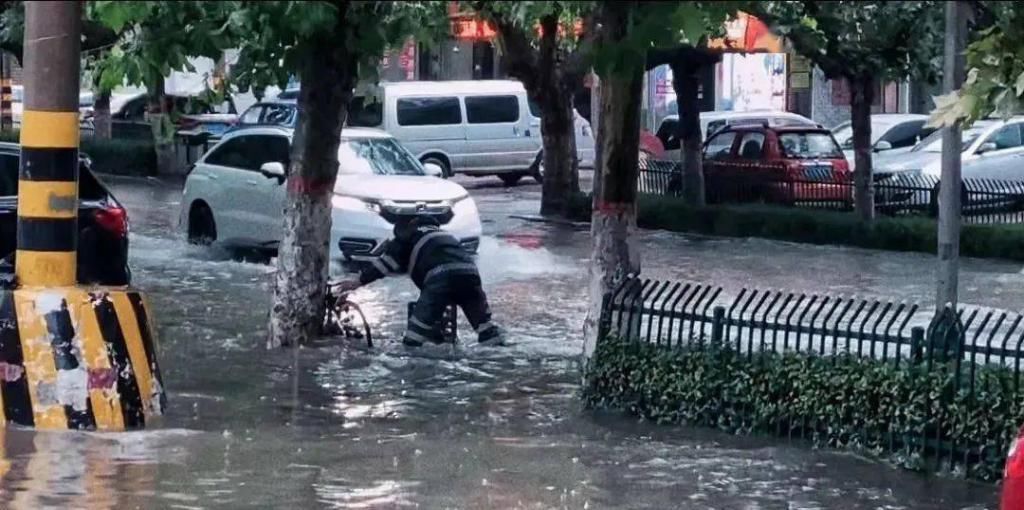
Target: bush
[(815, 227), (115, 156), (121, 157), (899, 413)]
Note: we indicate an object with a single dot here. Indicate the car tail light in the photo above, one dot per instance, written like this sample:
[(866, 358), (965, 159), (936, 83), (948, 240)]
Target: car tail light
[(1013, 475), (113, 219)]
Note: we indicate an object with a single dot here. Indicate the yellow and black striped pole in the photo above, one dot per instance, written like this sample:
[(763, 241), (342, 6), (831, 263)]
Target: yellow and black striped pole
[(48, 177), (70, 358)]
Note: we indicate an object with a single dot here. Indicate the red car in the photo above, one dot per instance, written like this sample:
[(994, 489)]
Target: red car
[(651, 146), (780, 164), (1013, 476)]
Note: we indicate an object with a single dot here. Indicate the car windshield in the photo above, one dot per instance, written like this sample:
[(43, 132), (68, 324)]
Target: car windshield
[(933, 143), (365, 112), (380, 156), (843, 133), (809, 145)]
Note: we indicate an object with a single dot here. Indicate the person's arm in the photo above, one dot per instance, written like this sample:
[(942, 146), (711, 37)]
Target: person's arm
[(392, 261)]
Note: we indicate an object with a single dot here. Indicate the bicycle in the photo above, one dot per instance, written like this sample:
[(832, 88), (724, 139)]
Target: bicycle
[(341, 315)]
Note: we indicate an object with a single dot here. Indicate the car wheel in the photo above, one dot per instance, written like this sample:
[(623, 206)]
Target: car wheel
[(202, 230), (445, 167), (510, 179), (537, 169)]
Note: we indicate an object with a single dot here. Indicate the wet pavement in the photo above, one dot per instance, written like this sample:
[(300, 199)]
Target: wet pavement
[(475, 428)]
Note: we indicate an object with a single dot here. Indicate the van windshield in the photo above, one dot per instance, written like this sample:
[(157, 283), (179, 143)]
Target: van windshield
[(379, 156)]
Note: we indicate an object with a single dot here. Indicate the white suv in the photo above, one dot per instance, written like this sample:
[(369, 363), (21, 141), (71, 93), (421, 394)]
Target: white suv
[(235, 194)]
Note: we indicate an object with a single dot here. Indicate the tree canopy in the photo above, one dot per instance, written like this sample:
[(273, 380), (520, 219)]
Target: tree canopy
[(995, 71), (886, 40)]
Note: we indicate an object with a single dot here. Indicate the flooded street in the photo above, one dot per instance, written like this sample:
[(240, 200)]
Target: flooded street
[(474, 427)]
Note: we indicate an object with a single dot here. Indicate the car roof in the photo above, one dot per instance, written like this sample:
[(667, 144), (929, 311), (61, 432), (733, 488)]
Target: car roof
[(750, 114), (897, 117), (777, 128), (348, 132)]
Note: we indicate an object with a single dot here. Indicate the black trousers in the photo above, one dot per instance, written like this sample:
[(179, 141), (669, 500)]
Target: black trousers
[(463, 290)]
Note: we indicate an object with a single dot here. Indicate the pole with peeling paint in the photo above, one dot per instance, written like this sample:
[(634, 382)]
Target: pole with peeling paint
[(48, 176), (70, 357)]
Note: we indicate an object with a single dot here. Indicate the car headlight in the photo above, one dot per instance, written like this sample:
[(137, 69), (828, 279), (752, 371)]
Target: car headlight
[(354, 204)]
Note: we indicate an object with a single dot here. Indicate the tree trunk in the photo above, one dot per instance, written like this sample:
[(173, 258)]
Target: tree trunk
[(163, 129), (687, 87), (561, 167), (862, 94), (613, 220), (541, 71), (101, 122), (327, 78)]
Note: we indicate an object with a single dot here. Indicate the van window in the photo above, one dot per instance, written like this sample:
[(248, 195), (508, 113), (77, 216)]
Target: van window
[(429, 111), (492, 109), (534, 108)]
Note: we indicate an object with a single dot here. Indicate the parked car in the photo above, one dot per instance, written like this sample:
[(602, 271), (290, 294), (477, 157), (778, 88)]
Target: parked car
[(102, 222), (710, 122), (235, 193), (128, 115), (773, 163), (991, 149), (1012, 497), (889, 131)]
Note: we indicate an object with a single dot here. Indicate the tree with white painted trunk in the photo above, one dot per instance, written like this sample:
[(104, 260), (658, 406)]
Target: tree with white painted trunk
[(328, 45), (626, 32)]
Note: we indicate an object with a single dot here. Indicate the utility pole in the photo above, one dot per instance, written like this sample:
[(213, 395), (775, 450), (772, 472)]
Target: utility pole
[(83, 357), (48, 180), (950, 183)]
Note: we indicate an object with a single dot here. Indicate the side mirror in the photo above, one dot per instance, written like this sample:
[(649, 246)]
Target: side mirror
[(987, 147), (882, 145), (434, 170), (273, 170)]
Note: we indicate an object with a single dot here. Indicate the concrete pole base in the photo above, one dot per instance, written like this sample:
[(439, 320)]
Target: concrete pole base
[(78, 358)]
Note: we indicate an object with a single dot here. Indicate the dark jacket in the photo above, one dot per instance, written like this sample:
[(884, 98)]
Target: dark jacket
[(425, 252)]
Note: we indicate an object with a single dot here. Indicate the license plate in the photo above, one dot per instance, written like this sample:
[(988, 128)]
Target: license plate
[(818, 173)]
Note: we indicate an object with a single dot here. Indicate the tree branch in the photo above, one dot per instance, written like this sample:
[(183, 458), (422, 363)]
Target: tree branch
[(519, 53)]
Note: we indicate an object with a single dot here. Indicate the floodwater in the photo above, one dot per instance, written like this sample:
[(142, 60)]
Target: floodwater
[(471, 427)]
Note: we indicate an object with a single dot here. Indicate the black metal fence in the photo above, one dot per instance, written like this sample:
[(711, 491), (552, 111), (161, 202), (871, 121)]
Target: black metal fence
[(753, 323), (982, 200)]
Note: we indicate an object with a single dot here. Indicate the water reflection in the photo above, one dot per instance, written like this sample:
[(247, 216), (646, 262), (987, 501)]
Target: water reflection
[(81, 469)]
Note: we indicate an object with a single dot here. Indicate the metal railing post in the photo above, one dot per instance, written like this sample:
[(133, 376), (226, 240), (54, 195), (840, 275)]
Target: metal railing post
[(916, 345), (718, 325)]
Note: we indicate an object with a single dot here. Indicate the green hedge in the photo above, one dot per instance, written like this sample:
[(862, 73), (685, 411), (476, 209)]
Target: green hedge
[(815, 226), (844, 402), (115, 156)]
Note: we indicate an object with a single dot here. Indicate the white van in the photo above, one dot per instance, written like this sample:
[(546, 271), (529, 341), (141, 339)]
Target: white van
[(478, 128)]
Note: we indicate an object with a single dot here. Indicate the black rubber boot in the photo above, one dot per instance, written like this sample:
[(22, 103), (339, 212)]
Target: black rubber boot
[(493, 335)]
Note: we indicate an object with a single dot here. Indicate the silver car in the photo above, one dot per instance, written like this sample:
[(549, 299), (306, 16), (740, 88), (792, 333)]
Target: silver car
[(992, 153), (889, 131)]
